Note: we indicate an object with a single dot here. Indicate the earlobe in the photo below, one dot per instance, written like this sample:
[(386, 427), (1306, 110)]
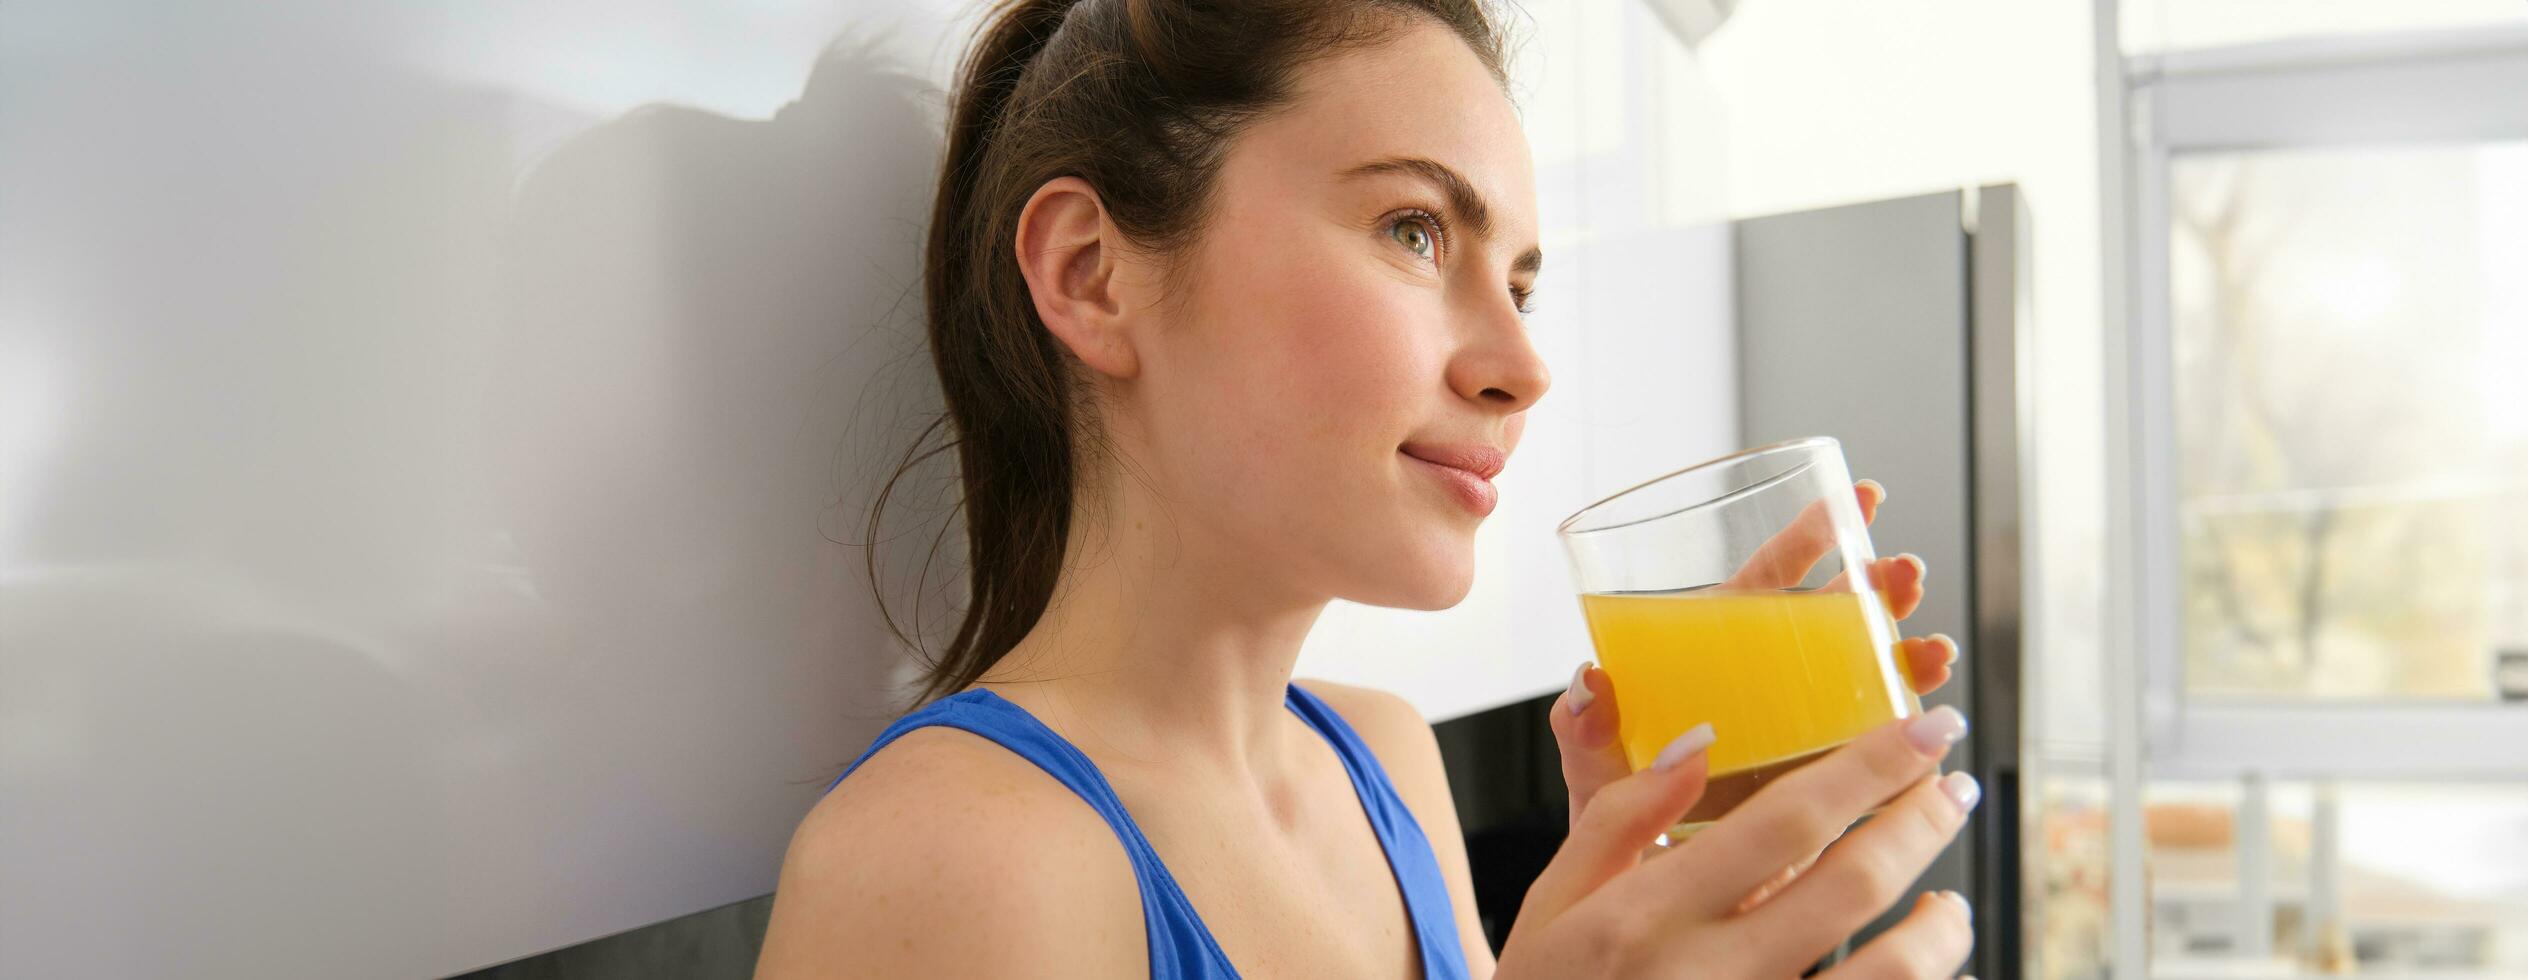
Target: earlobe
[(1065, 251)]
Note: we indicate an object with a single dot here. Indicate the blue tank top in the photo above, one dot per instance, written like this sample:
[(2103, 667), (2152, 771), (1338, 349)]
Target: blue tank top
[(1180, 947)]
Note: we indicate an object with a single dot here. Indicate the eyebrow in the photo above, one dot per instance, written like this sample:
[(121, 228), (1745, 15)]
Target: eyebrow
[(1462, 197)]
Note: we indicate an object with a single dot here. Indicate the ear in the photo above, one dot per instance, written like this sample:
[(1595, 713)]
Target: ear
[(1071, 256)]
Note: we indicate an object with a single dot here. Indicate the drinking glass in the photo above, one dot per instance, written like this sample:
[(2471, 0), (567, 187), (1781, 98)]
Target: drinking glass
[(1737, 592)]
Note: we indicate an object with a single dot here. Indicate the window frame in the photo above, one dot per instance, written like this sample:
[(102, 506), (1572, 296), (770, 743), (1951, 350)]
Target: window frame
[(2310, 93)]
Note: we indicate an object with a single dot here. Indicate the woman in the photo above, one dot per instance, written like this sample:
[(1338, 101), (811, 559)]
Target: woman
[(1225, 298)]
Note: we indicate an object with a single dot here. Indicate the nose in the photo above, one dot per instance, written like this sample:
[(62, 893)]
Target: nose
[(1498, 369)]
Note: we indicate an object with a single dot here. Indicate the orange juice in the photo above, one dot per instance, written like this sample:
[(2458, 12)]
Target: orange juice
[(1781, 676)]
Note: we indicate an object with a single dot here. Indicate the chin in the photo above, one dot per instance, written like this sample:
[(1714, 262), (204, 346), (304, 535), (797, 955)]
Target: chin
[(1438, 575), (1449, 595)]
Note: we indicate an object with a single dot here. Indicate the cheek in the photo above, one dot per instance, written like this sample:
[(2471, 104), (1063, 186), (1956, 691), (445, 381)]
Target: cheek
[(1293, 406), (1307, 372), (1351, 358), (1357, 369), (1318, 352)]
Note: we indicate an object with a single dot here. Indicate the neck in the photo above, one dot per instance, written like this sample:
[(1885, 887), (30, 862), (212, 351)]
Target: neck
[(1161, 647)]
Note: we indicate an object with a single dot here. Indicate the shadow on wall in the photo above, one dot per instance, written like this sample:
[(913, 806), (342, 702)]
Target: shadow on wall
[(711, 360), (596, 336), (475, 556)]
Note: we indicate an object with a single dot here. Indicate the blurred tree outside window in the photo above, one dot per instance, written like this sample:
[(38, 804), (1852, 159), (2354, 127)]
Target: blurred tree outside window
[(2349, 330)]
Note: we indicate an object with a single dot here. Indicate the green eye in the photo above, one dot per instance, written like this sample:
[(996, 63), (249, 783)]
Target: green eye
[(1420, 240)]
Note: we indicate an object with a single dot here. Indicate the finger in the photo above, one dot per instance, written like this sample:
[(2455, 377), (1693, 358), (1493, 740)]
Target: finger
[(1784, 559), (1872, 866), (1774, 885), (1927, 660), (1801, 812), (1931, 941), (1623, 819), (1585, 723), (1898, 581)]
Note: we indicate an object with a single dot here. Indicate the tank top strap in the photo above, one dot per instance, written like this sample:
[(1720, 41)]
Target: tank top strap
[(1409, 853), (1180, 945)]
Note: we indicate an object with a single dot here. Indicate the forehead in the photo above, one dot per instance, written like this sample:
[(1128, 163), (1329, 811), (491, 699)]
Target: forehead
[(1422, 93)]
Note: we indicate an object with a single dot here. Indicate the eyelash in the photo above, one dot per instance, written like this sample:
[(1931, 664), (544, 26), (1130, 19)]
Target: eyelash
[(1440, 239)]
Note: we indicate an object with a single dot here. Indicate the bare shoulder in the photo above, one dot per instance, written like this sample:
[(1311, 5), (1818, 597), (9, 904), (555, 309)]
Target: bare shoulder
[(1393, 727), (1407, 747), (1404, 743), (947, 855)]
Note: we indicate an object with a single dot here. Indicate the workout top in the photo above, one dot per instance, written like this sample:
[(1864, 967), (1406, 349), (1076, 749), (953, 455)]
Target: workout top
[(1180, 947)]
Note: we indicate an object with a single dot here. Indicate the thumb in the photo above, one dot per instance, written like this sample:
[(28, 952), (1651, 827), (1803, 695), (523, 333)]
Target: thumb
[(1626, 816), (1585, 724)]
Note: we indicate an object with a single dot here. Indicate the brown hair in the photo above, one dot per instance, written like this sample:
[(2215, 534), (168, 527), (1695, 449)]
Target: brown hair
[(1141, 99)]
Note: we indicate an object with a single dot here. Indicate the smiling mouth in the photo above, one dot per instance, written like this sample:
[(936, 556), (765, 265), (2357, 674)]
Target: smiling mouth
[(1479, 459), (1471, 490)]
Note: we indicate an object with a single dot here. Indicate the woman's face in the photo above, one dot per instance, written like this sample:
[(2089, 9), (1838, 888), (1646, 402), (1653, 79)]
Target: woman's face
[(1347, 307)]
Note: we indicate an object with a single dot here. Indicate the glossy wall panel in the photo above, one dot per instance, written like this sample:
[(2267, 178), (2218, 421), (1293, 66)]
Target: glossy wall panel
[(422, 450)]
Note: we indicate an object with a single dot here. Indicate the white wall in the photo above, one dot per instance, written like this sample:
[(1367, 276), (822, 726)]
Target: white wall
[(421, 423)]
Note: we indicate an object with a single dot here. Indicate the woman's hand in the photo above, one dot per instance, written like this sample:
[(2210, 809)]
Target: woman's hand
[(1585, 720), (1718, 906)]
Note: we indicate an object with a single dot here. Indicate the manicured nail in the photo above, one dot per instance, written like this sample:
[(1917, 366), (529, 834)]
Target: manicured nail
[(1921, 571), (1579, 696), (1933, 731), (1943, 640), (1695, 740), (1962, 789), (1962, 904)]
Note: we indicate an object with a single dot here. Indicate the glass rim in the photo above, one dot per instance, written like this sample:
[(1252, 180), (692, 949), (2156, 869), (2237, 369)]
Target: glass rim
[(1787, 445)]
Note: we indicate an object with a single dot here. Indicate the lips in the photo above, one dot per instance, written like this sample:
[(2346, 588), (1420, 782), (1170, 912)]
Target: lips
[(1484, 462), (1466, 471)]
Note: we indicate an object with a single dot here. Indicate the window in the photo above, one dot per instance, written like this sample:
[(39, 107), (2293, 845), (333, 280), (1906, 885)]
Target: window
[(2349, 347), (2320, 417), (2357, 877), (2327, 460), (2389, 878)]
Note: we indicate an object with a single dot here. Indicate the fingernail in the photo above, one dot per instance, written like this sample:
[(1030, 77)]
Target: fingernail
[(1874, 485), (1933, 731), (1944, 640), (1695, 740), (1962, 904), (1579, 696), (1962, 789), (1921, 571)]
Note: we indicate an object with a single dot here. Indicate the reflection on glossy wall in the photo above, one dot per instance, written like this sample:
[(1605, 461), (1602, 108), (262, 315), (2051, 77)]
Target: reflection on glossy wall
[(427, 440)]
